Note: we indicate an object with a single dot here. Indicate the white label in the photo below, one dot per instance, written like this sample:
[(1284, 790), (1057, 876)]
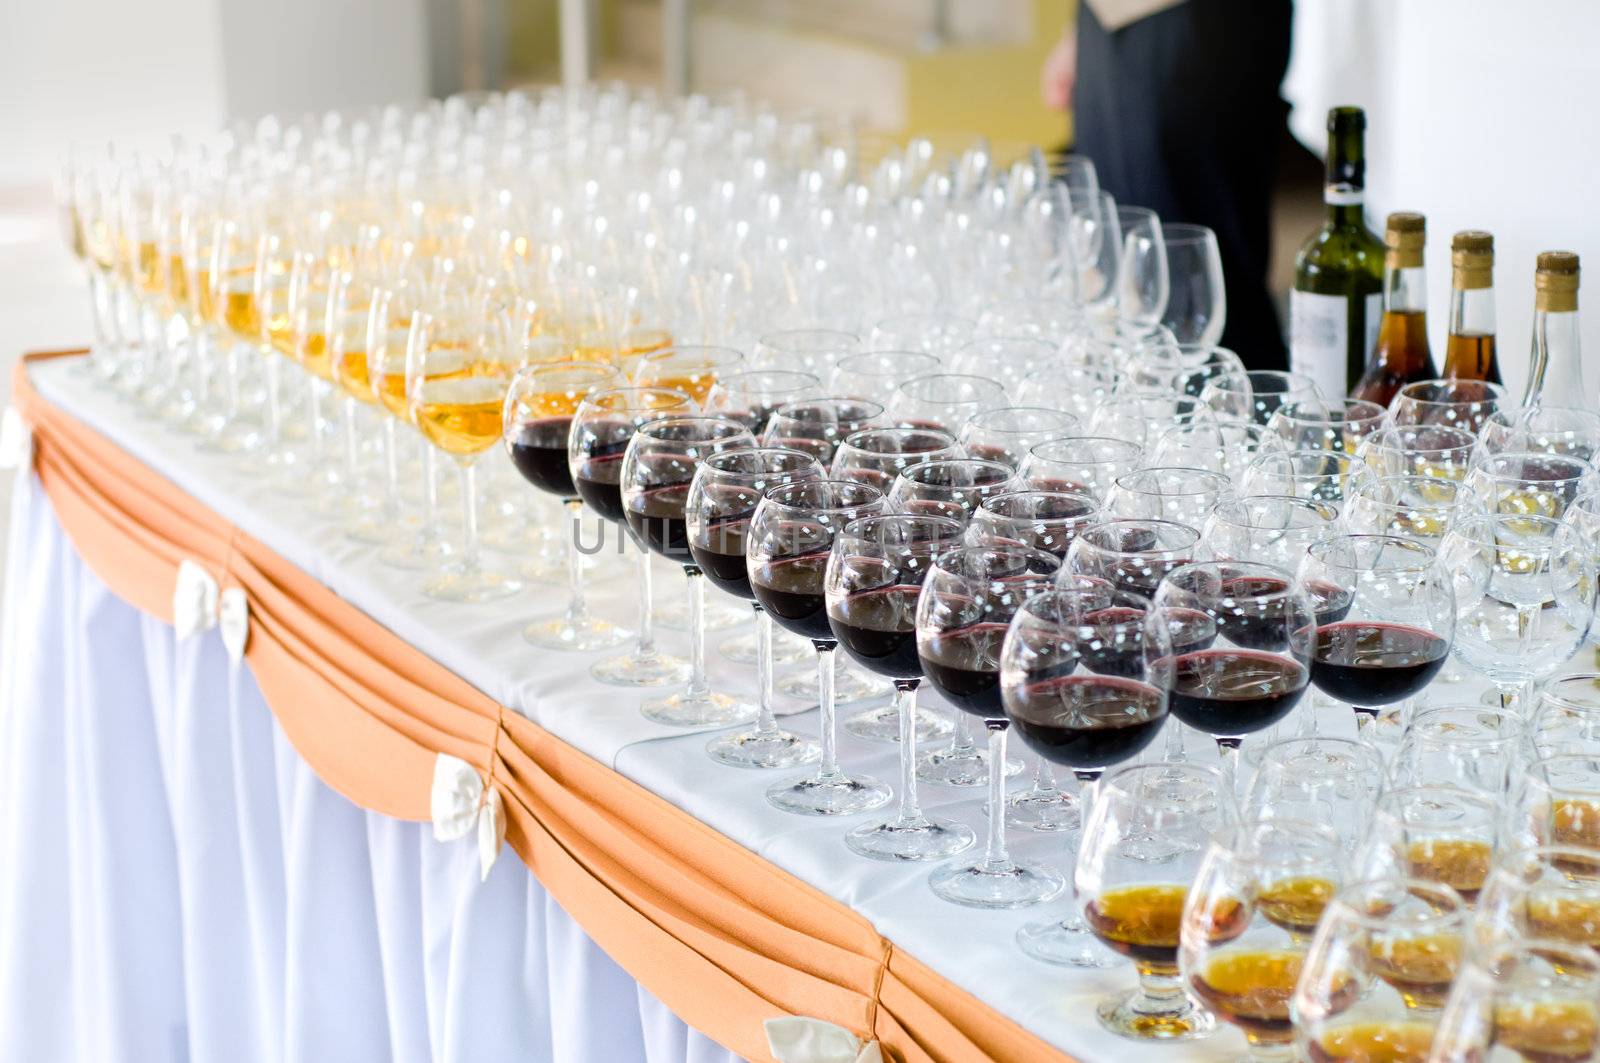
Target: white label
[(1342, 195), (1319, 327)]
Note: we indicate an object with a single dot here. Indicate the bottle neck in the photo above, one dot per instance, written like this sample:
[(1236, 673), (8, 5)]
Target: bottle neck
[(1405, 290), (1472, 312), (1344, 179), (1556, 365)]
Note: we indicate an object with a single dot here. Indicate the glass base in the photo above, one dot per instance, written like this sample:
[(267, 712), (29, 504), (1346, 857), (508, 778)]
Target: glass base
[(720, 616), (372, 526), (882, 724), (1013, 886), (764, 749), (1065, 943), (1186, 1021), (840, 795), (587, 633), (709, 710), (967, 767), (1045, 811), (416, 551), (849, 685), (478, 585), (787, 649), (551, 570), (931, 839), (239, 437), (641, 670)]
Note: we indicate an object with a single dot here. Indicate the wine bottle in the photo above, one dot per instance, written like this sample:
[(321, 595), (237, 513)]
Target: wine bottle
[(1338, 274), (1469, 351), (1401, 356), (1555, 367)]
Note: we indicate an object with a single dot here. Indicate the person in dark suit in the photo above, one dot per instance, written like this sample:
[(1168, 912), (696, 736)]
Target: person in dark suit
[(1177, 102)]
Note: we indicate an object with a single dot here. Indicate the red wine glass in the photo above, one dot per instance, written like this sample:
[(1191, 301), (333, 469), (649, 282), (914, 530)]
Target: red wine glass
[(874, 578), (657, 471), (723, 497), (819, 426), (1256, 666), (1007, 434), (953, 487), (786, 551), (751, 396), (943, 401), (1085, 464), (966, 606), (1184, 495)]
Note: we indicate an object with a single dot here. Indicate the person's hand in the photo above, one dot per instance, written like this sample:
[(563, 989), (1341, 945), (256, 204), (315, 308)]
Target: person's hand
[(1060, 72)]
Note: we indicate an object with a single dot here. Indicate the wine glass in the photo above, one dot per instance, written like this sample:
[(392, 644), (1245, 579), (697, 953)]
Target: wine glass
[(950, 487), (1543, 484), (1321, 424), (1225, 447), (1321, 475), (1566, 716), (1183, 495), (1474, 747), (1097, 233), (1197, 303), (1181, 367), (1380, 964), (1135, 906), (538, 413), (1082, 464), (692, 370), (786, 550), (967, 602), (1252, 664), (658, 469), (1385, 620), (455, 395), (874, 578), (1540, 891), (602, 428), (877, 456), (1008, 433), (1248, 919), (1556, 801), (1258, 394), (819, 426), (1142, 416), (1418, 507), (1143, 280), (1133, 555), (1007, 360), (723, 496), (1538, 999), (1435, 833), (810, 350), (1419, 450), (1562, 430), (933, 333), (1326, 780), (1077, 389), (943, 401), (749, 397), (1273, 529), (1043, 520), (1524, 596), (1457, 403), (1072, 680), (875, 374)]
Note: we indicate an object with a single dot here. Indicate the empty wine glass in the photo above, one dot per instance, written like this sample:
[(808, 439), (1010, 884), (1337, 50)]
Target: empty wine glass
[(1008, 360), (1474, 747), (1186, 496), (1457, 403), (1326, 780), (1320, 475), (1418, 450), (936, 334), (951, 487), (1197, 302), (1258, 394), (818, 426), (1142, 280), (1226, 447), (1141, 417), (750, 397), (1044, 520), (1087, 465), (943, 401), (1543, 429), (789, 542), (875, 374), (809, 350), (1274, 529), (1008, 433), (1566, 717), (1323, 424), (1077, 389)]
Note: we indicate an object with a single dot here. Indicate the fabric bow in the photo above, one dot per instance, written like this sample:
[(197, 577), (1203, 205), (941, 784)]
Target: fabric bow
[(194, 600), (233, 615), (796, 1039), (461, 802), (16, 440)]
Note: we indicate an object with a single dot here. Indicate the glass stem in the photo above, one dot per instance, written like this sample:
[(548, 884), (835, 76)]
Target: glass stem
[(274, 409), (766, 718), (1159, 994), (467, 473), (961, 744), (577, 608), (905, 703), (699, 687), (829, 769), (995, 858), (1309, 714), (314, 408), (430, 493), (1228, 754), (391, 468), (647, 624), (234, 383), (1044, 780), (352, 441), (1174, 752)]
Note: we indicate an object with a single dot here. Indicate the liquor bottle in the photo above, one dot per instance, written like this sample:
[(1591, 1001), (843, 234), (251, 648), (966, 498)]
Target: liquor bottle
[(1469, 351), (1555, 368), (1338, 274), (1401, 355)]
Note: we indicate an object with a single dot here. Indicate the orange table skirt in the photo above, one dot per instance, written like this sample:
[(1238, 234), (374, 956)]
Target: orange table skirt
[(718, 934)]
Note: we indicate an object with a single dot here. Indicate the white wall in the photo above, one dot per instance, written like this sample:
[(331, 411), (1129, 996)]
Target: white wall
[(1481, 114)]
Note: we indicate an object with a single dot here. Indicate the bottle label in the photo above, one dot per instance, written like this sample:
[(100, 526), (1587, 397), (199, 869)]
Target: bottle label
[(1343, 195), (1319, 335)]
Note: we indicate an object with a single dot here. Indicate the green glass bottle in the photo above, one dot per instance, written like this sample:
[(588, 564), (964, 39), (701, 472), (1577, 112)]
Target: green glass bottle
[(1337, 301)]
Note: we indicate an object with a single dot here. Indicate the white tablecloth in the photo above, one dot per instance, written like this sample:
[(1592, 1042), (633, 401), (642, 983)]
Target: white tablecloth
[(156, 822)]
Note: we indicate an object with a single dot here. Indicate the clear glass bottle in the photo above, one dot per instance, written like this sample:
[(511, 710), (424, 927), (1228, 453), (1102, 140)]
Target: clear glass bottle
[(1469, 352), (1555, 367)]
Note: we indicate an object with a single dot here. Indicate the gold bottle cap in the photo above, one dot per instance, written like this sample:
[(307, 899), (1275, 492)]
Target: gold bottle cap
[(1555, 282), (1405, 233), (1472, 260)]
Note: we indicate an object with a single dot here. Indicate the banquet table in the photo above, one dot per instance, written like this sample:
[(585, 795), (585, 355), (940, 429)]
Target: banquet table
[(214, 859)]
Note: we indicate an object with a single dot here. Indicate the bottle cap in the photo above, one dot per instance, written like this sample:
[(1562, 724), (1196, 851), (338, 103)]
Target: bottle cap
[(1555, 282), (1405, 233), (1472, 260), (1344, 119)]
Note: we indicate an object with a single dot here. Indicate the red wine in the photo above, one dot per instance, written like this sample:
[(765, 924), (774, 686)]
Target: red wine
[(599, 484), (879, 629), (1141, 575), (539, 451), (1332, 601), (964, 666), (1119, 646), (719, 551), (1262, 618), (1364, 663), (657, 520), (790, 589), (1230, 693), (1087, 721)]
